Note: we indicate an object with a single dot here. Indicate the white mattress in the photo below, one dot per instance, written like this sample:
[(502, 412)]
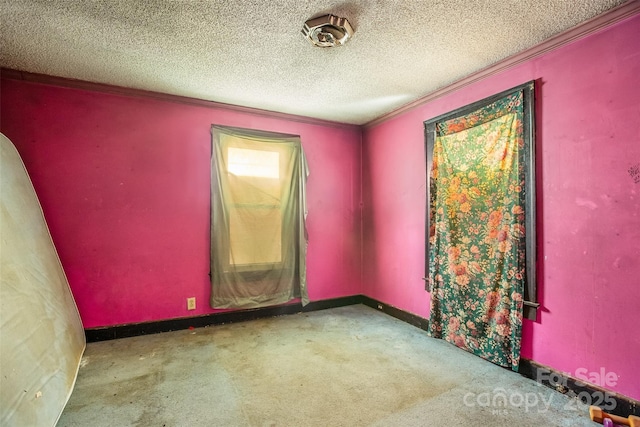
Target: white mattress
[(41, 334)]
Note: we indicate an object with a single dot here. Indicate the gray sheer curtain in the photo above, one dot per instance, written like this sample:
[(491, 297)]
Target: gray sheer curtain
[(258, 233)]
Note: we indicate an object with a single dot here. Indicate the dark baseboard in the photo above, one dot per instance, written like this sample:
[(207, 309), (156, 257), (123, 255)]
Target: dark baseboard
[(333, 303), (588, 393), (405, 316), (146, 328)]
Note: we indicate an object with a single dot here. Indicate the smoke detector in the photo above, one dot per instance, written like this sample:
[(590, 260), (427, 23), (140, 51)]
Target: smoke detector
[(327, 31)]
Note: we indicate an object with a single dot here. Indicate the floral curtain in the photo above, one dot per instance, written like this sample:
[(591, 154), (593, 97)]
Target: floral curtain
[(477, 231)]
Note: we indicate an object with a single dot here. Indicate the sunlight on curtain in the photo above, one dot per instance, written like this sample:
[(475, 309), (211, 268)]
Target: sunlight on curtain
[(477, 236), (258, 236)]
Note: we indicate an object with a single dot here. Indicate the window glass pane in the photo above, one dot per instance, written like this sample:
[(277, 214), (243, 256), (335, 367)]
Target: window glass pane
[(256, 235), (245, 162), (255, 219)]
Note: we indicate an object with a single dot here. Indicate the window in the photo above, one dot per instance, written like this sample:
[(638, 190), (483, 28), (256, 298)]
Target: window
[(255, 213), (258, 238)]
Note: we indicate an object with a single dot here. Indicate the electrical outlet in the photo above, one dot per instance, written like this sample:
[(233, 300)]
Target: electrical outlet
[(191, 303)]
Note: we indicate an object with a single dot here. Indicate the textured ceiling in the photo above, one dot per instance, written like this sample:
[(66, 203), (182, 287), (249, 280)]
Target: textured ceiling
[(251, 52)]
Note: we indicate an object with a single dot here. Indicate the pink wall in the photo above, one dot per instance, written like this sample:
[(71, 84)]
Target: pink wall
[(588, 124), (124, 185)]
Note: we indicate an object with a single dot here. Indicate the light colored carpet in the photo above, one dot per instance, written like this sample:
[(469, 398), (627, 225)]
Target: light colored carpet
[(348, 366)]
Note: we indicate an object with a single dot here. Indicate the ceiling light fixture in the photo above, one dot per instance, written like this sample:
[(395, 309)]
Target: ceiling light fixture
[(327, 31)]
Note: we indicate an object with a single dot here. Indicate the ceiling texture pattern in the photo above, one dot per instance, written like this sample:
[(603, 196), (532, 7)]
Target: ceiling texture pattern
[(252, 53)]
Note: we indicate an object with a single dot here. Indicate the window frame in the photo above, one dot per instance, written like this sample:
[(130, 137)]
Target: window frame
[(249, 270)]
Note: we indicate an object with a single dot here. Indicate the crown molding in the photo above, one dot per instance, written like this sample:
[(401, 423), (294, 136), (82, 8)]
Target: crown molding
[(8, 73), (589, 27)]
